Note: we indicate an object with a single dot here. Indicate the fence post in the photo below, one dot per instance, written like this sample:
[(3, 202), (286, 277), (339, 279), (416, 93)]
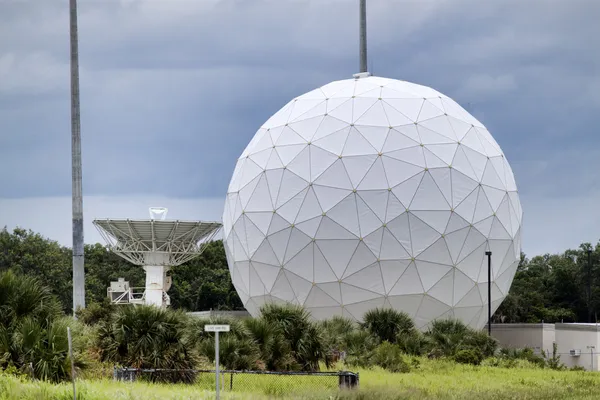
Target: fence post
[(69, 339), (231, 383)]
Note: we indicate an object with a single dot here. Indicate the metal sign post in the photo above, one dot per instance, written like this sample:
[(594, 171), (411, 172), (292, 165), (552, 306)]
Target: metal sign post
[(216, 329), (72, 362)]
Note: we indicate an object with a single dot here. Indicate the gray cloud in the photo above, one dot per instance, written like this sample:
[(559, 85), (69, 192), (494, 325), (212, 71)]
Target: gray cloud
[(172, 91)]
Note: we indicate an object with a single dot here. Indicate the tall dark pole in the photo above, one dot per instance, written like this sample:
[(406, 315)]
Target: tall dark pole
[(489, 256), (589, 285), (363, 35), (78, 259)]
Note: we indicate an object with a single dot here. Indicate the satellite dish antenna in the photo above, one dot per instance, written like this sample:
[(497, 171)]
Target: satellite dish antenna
[(159, 213)]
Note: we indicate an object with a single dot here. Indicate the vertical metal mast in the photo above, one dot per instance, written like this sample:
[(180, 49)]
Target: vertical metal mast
[(363, 35), (78, 257)]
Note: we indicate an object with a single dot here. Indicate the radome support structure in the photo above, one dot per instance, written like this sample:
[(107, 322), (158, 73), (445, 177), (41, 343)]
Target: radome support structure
[(363, 35), (78, 256)]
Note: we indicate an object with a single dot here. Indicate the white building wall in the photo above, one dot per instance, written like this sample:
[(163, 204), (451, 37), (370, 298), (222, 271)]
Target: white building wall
[(517, 336), (582, 337)]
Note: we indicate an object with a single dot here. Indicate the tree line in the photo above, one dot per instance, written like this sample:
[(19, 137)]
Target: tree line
[(548, 288)]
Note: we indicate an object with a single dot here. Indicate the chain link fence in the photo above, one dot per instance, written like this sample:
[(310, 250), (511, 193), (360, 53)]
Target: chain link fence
[(267, 382)]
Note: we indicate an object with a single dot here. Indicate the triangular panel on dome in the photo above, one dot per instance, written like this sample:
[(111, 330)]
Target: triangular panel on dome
[(300, 165), (429, 137), (443, 180), (483, 209), (429, 111), (485, 225), (332, 289), (320, 160), (436, 253), (444, 152), (361, 106), (353, 294), (274, 178), (473, 241), (291, 185), (307, 128), (442, 290), (455, 223), (401, 229), (431, 273), (438, 220), (367, 219), (300, 286), (298, 240), (357, 145), (240, 249), (503, 214), (373, 241), (409, 282), (405, 192), (430, 310), (345, 214), (376, 135), (391, 248), (394, 89), (428, 196), (471, 140), (367, 88), (267, 273), (483, 291), (407, 303), (341, 110), (257, 287), (322, 271), (422, 235), (289, 152), (394, 207), (331, 230), (279, 242), (375, 178), (462, 286), (337, 88), (398, 171), (329, 197), (265, 254), (282, 289), (361, 258), (471, 265), (338, 253), (467, 314), (489, 144), (358, 166), (254, 237), (262, 157), (306, 108), (277, 224), (248, 172), (462, 164), (495, 196), (398, 141), (412, 155), (499, 249), (433, 161), (260, 200), (511, 185), (288, 138), (409, 107), (440, 125), (462, 186), (504, 280), (359, 309), (395, 117), (332, 142), (243, 274), (491, 178), (459, 126), (368, 278), (302, 263), (375, 116), (310, 207), (318, 298), (391, 271), (498, 231), (455, 242), (335, 176), (310, 227), (289, 210), (466, 208), (328, 126), (247, 191), (477, 160)]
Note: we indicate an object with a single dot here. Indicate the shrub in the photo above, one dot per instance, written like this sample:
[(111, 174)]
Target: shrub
[(468, 356), (447, 337), (275, 351), (523, 354), (96, 313), (149, 337), (387, 324), (389, 356)]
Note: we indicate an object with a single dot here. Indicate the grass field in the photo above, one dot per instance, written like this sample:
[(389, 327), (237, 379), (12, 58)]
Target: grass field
[(433, 380)]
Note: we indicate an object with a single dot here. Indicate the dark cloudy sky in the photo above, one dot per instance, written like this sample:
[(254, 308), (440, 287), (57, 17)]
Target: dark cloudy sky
[(173, 90)]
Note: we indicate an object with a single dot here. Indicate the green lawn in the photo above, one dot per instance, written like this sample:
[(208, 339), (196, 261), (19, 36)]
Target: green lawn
[(433, 380)]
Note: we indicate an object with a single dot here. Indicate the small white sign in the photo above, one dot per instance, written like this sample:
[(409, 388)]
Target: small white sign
[(216, 328)]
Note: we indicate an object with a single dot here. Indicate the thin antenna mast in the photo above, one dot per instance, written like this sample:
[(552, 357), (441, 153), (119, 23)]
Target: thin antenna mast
[(78, 256), (363, 35)]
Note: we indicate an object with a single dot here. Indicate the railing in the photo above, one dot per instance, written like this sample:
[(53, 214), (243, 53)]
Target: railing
[(268, 382)]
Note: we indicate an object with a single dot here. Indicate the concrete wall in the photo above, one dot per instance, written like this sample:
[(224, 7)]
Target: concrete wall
[(535, 336), (579, 337), (216, 313)]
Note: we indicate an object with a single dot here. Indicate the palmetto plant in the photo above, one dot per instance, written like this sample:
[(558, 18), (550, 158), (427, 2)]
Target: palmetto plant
[(33, 332), (449, 336), (387, 324), (149, 337)]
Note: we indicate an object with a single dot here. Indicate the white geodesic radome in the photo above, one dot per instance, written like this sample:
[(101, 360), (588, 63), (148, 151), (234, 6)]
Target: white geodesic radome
[(373, 192)]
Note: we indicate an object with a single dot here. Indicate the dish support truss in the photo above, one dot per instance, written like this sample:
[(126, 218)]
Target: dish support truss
[(156, 246)]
